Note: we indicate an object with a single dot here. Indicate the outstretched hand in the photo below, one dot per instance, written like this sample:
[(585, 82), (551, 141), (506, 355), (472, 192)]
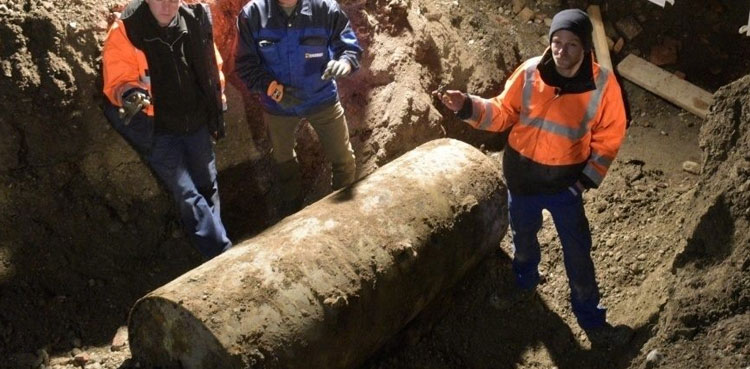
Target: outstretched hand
[(452, 99)]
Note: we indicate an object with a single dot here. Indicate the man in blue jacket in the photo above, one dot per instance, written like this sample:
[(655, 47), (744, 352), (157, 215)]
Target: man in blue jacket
[(290, 52)]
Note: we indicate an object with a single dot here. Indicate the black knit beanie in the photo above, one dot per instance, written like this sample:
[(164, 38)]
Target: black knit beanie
[(576, 21)]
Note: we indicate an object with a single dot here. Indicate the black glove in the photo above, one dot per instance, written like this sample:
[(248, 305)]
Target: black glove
[(337, 69), (132, 104)]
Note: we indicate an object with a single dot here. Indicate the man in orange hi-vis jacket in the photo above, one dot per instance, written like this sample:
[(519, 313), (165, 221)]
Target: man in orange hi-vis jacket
[(567, 120), (163, 81)]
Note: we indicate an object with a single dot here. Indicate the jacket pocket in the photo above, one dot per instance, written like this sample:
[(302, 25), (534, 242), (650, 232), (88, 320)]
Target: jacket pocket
[(313, 41), (269, 50), (313, 59)]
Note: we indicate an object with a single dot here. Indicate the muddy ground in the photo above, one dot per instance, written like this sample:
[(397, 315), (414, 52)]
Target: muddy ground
[(86, 230)]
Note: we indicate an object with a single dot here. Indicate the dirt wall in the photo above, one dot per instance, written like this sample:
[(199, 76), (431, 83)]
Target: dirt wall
[(77, 207), (706, 320)]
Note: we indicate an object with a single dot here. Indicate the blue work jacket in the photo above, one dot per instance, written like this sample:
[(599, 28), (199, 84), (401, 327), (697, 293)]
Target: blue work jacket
[(294, 51)]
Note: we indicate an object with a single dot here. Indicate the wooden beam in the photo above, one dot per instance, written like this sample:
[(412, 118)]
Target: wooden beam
[(599, 37), (666, 85)]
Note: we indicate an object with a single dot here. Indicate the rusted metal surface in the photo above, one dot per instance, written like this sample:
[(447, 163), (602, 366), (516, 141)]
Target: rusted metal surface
[(327, 286)]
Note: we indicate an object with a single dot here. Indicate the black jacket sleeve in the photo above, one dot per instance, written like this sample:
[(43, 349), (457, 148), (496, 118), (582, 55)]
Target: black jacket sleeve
[(247, 61)]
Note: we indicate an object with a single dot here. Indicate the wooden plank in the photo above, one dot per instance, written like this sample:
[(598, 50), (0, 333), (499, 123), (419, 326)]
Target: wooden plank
[(599, 37), (666, 85)]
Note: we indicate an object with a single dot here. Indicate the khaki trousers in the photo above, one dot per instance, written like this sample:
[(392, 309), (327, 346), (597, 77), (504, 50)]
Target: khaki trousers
[(333, 133)]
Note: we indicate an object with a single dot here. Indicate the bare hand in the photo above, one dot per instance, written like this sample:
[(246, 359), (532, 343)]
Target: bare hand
[(452, 99)]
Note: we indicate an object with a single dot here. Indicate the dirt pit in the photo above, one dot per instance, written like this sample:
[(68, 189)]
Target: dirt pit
[(86, 230)]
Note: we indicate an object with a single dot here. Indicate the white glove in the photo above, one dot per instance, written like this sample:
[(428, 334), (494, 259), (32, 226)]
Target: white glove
[(336, 69)]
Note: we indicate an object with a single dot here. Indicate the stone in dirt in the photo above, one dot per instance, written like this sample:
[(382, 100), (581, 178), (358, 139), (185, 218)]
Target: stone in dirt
[(654, 358), (691, 167), (120, 339), (618, 45), (628, 27), (526, 15), (82, 358), (518, 5)]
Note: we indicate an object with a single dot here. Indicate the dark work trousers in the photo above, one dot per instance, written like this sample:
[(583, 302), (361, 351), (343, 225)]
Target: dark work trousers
[(186, 165), (572, 226), (333, 133)]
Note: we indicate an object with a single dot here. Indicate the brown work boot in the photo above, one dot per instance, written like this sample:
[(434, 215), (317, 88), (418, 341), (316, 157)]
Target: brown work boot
[(608, 336)]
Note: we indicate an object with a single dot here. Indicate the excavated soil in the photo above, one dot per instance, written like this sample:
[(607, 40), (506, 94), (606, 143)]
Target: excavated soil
[(86, 230)]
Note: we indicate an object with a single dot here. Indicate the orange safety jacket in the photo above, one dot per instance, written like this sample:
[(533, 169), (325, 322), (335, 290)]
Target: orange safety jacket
[(556, 137), (125, 66)]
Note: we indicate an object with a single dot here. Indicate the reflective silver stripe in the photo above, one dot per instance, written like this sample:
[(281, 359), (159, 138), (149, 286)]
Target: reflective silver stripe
[(550, 126), (528, 85), (591, 172), (601, 160), (555, 127), (488, 114), (596, 98), (476, 108), (479, 107)]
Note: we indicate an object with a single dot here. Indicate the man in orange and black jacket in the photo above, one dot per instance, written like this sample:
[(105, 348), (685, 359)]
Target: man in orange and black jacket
[(567, 120), (161, 52)]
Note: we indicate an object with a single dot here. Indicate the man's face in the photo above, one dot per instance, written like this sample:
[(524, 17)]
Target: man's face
[(567, 50), (164, 10)]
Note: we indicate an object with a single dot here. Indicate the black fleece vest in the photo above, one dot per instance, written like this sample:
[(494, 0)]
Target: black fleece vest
[(181, 104)]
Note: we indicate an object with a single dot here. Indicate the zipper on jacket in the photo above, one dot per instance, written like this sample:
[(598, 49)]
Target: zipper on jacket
[(177, 72), (170, 46)]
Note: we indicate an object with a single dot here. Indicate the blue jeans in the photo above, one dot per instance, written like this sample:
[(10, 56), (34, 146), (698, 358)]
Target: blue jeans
[(186, 165), (572, 226)]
